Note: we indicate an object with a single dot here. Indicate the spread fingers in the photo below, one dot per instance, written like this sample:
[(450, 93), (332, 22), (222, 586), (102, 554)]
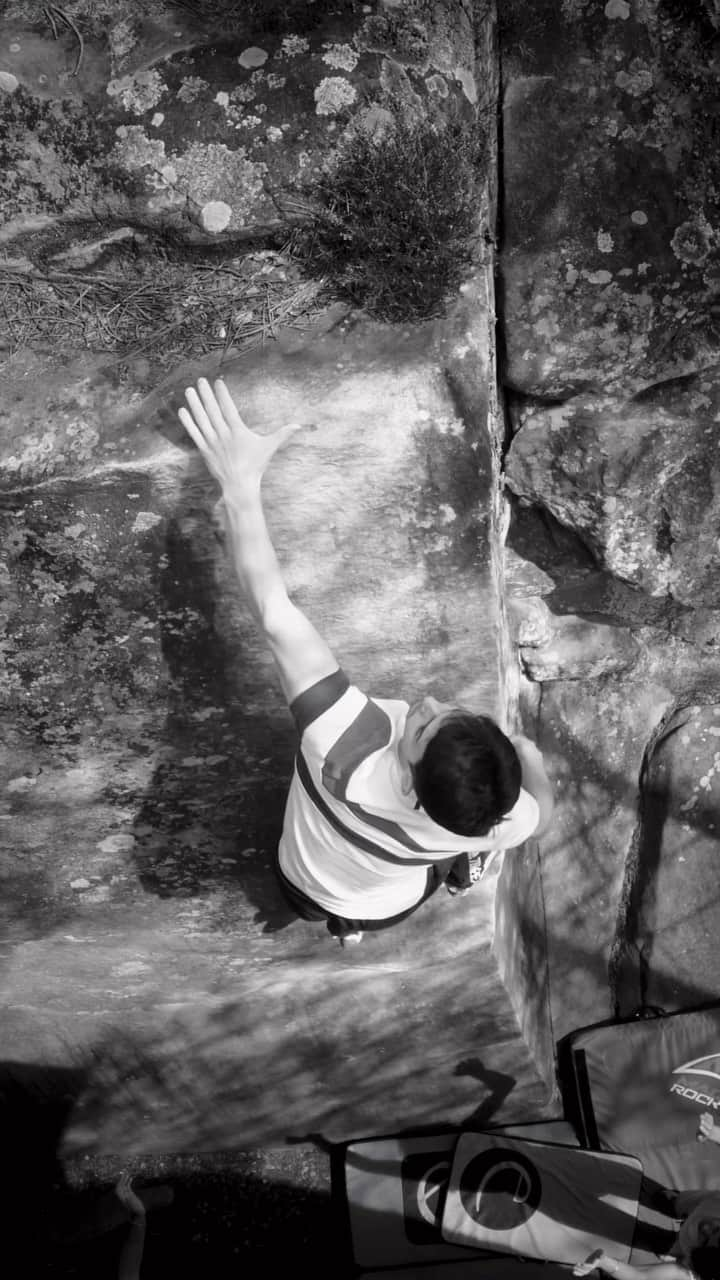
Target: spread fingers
[(193, 431), (227, 405)]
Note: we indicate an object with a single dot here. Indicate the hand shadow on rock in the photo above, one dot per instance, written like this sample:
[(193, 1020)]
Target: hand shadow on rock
[(211, 818)]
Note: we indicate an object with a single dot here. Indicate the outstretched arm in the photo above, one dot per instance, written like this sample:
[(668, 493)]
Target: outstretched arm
[(535, 780), (599, 1263), (708, 1131), (237, 457)]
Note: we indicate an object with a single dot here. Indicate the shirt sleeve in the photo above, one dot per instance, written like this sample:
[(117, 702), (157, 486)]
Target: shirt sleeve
[(325, 715), (315, 701), (517, 825)]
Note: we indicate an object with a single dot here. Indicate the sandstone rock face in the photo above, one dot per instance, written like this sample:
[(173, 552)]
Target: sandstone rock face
[(609, 286), (146, 748), (610, 257), (638, 480), (154, 175), (156, 179), (165, 116), (568, 647)]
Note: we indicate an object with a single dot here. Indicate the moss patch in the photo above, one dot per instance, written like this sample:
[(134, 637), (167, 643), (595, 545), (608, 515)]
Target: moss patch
[(50, 154)]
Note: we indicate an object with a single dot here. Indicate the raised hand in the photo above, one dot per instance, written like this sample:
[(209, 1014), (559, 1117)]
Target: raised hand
[(706, 1129), (590, 1264), (235, 455)]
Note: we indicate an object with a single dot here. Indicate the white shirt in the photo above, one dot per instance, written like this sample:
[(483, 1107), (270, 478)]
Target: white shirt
[(351, 840)]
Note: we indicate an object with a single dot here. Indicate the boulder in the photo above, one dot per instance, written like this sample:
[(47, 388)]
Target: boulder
[(638, 480), (609, 271), (147, 749), (178, 123), (158, 175), (579, 649)]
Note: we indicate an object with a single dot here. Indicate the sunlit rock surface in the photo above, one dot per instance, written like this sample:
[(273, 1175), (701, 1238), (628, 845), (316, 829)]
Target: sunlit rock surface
[(147, 748)]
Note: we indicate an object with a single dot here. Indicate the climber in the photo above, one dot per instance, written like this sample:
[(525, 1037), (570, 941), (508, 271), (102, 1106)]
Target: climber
[(387, 801)]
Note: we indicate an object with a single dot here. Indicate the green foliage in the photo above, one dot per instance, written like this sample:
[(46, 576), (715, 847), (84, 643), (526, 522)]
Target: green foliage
[(394, 222)]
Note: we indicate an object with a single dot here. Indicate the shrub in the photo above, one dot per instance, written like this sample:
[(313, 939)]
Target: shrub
[(393, 222)]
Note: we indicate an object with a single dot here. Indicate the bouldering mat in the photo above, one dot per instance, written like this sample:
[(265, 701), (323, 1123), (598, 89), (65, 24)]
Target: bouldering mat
[(395, 1190), (480, 1269), (540, 1200), (641, 1086)]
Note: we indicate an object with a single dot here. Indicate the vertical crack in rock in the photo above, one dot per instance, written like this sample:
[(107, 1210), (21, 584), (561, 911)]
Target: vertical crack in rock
[(542, 959)]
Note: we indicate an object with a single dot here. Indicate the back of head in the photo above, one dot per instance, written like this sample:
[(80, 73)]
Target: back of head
[(468, 776)]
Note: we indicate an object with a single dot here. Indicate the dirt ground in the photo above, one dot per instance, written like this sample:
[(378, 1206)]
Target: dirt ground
[(227, 1218)]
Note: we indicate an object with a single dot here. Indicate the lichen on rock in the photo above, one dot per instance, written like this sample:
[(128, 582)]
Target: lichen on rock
[(139, 92), (253, 57), (293, 46), (333, 95), (692, 241), (342, 57), (205, 173)]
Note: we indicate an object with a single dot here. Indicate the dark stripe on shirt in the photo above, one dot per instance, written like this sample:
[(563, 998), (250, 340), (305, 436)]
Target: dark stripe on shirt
[(370, 731), (352, 837), (318, 698), (386, 825)]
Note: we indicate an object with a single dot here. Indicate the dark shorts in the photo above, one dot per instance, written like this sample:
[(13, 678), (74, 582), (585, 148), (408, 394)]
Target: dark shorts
[(451, 870)]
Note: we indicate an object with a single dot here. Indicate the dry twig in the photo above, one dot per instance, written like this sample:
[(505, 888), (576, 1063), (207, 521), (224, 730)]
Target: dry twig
[(53, 11), (232, 305)]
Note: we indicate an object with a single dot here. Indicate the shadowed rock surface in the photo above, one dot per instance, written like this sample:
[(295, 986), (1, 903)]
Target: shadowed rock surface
[(671, 926), (608, 284)]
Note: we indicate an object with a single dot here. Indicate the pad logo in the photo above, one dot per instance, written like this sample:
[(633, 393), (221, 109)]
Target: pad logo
[(424, 1185), (707, 1066), (500, 1189), (701, 1083)]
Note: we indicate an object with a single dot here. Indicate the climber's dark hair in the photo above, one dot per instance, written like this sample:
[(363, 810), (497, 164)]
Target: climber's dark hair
[(704, 1259), (469, 775)]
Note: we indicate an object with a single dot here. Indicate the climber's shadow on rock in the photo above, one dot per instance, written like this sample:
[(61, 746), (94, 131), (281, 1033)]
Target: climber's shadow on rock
[(498, 1083), (212, 815)]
